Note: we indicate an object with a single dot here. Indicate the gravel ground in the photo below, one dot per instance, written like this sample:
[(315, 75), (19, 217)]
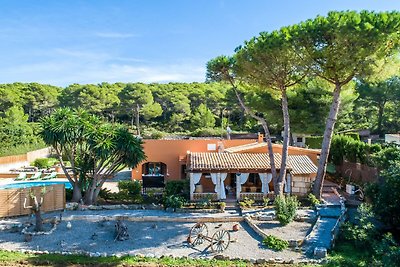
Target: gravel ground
[(294, 230), (147, 238)]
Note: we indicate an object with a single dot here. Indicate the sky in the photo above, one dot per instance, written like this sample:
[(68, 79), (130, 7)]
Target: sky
[(75, 41)]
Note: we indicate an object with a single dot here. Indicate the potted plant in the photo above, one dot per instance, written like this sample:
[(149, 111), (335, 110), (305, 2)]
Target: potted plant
[(222, 206)]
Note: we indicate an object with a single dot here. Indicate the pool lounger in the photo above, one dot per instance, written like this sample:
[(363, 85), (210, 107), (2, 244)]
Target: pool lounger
[(36, 176), (21, 176), (52, 175)]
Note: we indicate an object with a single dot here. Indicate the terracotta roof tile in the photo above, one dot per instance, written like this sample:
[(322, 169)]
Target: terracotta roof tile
[(299, 164)]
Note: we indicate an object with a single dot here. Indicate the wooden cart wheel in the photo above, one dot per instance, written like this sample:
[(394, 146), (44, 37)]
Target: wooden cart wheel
[(220, 241), (198, 233)]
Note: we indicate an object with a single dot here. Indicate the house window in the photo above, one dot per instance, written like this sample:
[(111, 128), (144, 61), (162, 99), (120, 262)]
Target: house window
[(154, 168), (299, 139)]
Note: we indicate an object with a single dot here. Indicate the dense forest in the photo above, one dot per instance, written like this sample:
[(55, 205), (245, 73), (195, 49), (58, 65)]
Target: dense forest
[(197, 109)]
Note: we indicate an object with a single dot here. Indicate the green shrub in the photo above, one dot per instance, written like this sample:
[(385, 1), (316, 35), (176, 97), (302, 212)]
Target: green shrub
[(69, 193), (266, 201), (204, 132), (314, 142), (363, 233), (43, 163), (313, 200), (151, 133), (133, 188), (275, 243), (246, 203), (177, 188), (285, 208), (174, 202), (386, 251)]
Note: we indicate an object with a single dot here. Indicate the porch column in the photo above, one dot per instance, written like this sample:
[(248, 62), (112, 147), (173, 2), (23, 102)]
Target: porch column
[(194, 179), (241, 178)]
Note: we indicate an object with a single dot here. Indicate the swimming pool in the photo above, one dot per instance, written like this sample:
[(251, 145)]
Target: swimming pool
[(35, 183)]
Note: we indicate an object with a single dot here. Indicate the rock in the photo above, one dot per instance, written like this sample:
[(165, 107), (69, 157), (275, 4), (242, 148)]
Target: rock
[(271, 260), (279, 260), (27, 237), (320, 252), (169, 209), (112, 207), (94, 207), (219, 257), (253, 261), (261, 261), (292, 243)]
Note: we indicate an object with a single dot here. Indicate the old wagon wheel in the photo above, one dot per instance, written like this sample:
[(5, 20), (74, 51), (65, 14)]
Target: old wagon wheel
[(198, 233), (220, 241)]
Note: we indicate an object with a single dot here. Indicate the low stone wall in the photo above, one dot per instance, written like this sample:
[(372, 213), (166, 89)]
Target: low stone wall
[(301, 185)]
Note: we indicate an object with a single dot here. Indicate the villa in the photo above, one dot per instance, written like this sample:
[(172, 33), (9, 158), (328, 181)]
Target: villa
[(225, 169)]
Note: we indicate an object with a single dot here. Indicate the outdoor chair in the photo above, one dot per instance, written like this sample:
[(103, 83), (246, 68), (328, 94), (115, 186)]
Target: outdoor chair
[(35, 176), (21, 176), (52, 175)]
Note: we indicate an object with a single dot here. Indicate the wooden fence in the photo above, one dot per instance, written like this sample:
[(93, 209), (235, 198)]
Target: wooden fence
[(12, 200), (357, 172)]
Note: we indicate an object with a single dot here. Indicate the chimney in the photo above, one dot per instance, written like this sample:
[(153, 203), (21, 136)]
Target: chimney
[(260, 137), (220, 147)]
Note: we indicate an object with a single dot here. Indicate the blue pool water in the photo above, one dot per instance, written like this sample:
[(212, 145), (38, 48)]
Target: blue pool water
[(36, 183)]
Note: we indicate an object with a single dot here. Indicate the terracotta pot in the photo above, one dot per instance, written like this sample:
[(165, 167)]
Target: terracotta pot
[(236, 227)]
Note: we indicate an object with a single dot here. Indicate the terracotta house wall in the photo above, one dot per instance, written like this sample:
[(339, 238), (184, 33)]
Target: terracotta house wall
[(173, 153)]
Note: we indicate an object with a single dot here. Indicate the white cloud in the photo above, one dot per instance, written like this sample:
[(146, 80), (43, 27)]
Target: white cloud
[(63, 73)]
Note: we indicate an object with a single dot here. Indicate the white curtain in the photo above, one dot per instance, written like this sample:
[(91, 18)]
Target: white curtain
[(242, 180), (194, 179), (265, 180), (214, 179), (222, 193), (288, 181)]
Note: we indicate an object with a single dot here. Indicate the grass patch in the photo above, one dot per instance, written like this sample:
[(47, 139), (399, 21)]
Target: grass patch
[(17, 258), (345, 254), (19, 150)]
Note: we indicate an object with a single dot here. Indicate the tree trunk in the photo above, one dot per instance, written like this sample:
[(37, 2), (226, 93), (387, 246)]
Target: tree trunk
[(76, 193), (326, 143), (286, 133), (39, 220), (137, 119), (267, 136), (133, 117), (381, 108), (89, 195)]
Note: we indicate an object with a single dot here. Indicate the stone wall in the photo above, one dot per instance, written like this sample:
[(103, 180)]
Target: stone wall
[(301, 185)]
